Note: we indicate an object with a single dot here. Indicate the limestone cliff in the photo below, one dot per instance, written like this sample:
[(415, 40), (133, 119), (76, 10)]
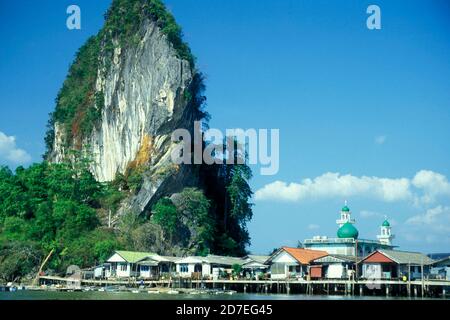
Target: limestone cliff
[(142, 89), (128, 89)]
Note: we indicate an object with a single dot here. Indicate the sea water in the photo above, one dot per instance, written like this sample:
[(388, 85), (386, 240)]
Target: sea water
[(96, 295)]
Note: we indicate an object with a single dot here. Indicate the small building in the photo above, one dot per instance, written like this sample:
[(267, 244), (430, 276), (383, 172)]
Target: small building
[(126, 264), (394, 264), (254, 265), (74, 275), (123, 264), (292, 262), (440, 269), (209, 266), (156, 266), (334, 266)]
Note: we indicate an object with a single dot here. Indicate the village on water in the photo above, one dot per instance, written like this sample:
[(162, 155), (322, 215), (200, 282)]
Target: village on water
[(345, 264)]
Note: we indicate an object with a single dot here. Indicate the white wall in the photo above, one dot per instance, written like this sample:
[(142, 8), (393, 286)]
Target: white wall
[(144, 274), (116, 258), (372, 271), (333, 249), (123, 273), (206, 269), (191, 268), (335, 271), (98, 272), (283, 258)]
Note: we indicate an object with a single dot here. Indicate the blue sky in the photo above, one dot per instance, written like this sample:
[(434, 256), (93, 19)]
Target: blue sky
[(364, 114)]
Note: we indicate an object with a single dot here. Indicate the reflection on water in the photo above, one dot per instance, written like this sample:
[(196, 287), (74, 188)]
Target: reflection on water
[(95, 295)]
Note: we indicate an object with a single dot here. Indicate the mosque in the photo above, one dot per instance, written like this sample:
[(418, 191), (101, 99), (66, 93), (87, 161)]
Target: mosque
[(347, 241)]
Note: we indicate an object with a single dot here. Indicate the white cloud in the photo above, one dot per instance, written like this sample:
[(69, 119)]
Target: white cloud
[(424, 188), (331, 185), (438, 218), (433, 184), (370, 214), (9, 152), (380, 139), (432, 226), (313, 226)]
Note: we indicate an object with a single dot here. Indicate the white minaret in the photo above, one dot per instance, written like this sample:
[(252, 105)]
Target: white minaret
[(385, 236), (346, 216)]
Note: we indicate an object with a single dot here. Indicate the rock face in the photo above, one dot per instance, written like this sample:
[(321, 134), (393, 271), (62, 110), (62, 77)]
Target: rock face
[(144, 90), (126, 92), (141, 92)]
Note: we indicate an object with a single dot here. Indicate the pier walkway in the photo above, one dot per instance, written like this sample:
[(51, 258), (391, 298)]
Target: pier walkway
[(417, 288)]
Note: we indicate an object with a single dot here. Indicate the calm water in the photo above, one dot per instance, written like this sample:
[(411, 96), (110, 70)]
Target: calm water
[(95, 295)]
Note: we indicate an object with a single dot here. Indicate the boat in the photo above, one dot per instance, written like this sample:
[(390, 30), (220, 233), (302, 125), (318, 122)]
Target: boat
[(229, 292), (173, 292), (153, 291)]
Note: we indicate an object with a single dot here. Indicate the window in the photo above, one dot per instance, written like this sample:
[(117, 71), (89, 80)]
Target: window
[(145, 268), (164, 268), (184, 268), (295, 269), (123, 267), (278, 268)]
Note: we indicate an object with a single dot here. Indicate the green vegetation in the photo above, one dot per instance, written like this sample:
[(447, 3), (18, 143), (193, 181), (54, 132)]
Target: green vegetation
[(166, 215), (51, 206), (240, 193), (234, 192), (57, 207), (222, 230), (191, 212), (77, 108), (135, 179), (131, 181), (237, 269), (125, 17)]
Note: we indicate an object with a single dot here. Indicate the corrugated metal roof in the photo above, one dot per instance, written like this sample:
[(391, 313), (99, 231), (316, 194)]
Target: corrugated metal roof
[(170, 259), (212, 259), (255, 265), (133, 257), (223, 260), (335, 258), (256, 258), (150, 263), (406, 257), (442, 262)]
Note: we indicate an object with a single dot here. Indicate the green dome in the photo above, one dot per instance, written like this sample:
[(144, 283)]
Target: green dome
[(345, 209), (386, 224), (348, 231)]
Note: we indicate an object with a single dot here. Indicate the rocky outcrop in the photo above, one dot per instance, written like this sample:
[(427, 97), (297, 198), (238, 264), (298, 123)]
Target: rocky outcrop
[(128, 89), (143, 88), (145, 93)]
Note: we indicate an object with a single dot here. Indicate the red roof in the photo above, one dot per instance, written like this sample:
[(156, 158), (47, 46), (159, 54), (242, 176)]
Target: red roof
[(377, 257), (305, 256)]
